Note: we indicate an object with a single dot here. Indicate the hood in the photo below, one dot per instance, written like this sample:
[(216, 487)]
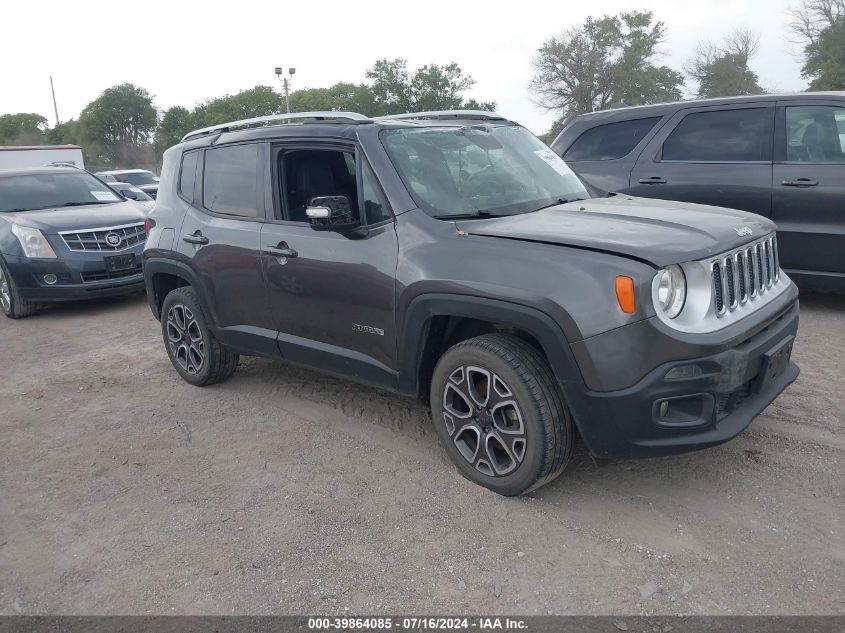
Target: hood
[(660, 232), (92, 216)]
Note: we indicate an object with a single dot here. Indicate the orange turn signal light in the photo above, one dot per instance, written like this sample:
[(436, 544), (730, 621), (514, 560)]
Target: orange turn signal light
[(625, 294)]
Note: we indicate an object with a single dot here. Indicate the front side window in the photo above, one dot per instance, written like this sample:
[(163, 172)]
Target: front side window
[(311, 173), (721, 136), (815, 134), (230, 180), (28, 192), (479, 170), (610, 141)]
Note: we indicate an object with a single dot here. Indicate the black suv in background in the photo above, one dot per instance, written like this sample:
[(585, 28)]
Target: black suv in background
[(781, 156), (454, 257)]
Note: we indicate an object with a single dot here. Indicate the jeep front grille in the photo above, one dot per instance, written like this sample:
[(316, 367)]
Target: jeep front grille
[(744, 275), (104, 239)]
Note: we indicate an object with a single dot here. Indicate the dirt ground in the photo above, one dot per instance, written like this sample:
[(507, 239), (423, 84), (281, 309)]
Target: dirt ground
[(123, 490)]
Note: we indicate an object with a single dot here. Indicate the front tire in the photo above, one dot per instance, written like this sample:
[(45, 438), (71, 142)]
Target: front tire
[(12, 302), (195, 353), (500, 414)]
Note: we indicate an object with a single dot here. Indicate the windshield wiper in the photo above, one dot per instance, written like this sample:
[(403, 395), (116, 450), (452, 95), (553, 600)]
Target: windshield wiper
[(481, 213), (85, 204)]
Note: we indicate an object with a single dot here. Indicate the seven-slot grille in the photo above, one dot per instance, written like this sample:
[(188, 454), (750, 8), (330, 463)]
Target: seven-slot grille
[(745, 274), (105, 240)]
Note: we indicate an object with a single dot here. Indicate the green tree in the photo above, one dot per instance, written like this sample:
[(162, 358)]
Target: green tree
[(390, 86), (825, 65), (431, 87), (603, 61), (65, 133), (819, 25), (345, 97), (118, 124), (247, 104), (23, 128), (721, 70), (175, 123)]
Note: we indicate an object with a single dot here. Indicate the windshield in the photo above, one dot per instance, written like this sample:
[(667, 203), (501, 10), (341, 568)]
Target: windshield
[(480, 170), (138, 178), (28, 192)]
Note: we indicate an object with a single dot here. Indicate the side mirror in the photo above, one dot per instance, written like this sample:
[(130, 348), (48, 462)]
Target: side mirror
[(331, 213), (128, 193)]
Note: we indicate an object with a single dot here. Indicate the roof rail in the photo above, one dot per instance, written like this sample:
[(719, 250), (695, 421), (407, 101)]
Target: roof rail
[(443, 114), (350, 117)]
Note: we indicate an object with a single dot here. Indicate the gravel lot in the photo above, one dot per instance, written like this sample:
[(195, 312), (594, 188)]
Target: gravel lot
[(125, 490)]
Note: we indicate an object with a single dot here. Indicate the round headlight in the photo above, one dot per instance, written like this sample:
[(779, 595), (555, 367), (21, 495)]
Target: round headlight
[(671, 291)]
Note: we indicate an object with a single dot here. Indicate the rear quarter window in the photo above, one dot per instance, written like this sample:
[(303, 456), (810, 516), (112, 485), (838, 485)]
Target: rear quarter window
[(610, 141), (187, 175)]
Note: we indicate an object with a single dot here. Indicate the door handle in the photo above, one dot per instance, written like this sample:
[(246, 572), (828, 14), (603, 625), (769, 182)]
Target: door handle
[(654, 180), (195, 238), (280, 250), (800, 182)]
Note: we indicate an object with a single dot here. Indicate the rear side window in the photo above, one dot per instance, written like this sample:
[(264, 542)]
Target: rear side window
[(188, 175), (229, 183), (610, 141), (721, 136)]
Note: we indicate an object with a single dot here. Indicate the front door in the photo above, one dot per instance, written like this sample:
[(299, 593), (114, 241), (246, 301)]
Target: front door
[(809, 188), (720, 156), (332, 295)]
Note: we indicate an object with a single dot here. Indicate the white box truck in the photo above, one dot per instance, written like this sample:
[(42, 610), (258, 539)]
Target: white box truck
[(39, 155)]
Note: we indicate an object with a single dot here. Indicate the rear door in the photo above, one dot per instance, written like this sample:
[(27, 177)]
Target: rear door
[(220, 238), (808, 183), (718, 155)]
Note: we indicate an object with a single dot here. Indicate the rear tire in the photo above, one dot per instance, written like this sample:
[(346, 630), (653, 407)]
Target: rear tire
[(198, 357), (500, 414), (12, 302)]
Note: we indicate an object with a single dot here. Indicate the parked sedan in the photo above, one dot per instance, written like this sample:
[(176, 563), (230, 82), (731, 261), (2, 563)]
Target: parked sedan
[(781, 156), (145, 180), (64, 235)]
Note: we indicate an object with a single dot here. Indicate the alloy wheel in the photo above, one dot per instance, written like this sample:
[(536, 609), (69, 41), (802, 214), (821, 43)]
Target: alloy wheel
[(184, 337), (483, 420), (5, 292)]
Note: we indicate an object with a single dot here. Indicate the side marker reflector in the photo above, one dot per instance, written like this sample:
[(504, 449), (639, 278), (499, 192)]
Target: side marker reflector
[(625, 294)]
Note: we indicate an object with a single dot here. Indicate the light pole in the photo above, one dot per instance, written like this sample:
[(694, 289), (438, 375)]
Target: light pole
[(286, 84), (55, 107)]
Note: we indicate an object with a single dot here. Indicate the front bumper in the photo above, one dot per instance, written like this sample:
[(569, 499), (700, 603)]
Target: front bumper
[(705, 406), (79, 276)]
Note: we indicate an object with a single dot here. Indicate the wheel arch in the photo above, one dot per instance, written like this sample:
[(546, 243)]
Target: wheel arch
[(161, 276), (434, 322)]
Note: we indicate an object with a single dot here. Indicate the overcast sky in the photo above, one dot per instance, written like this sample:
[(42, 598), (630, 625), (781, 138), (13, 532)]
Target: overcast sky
[(184, 52)]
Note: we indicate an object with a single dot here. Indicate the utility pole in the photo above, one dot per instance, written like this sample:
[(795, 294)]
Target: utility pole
[(286, 84), (55, 107)]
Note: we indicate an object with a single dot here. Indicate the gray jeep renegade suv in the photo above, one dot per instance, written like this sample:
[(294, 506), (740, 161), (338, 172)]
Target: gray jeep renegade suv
[(453, 257)]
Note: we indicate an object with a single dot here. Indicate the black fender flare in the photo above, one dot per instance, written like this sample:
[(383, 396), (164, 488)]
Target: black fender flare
[(159, 265), (421, 309)]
